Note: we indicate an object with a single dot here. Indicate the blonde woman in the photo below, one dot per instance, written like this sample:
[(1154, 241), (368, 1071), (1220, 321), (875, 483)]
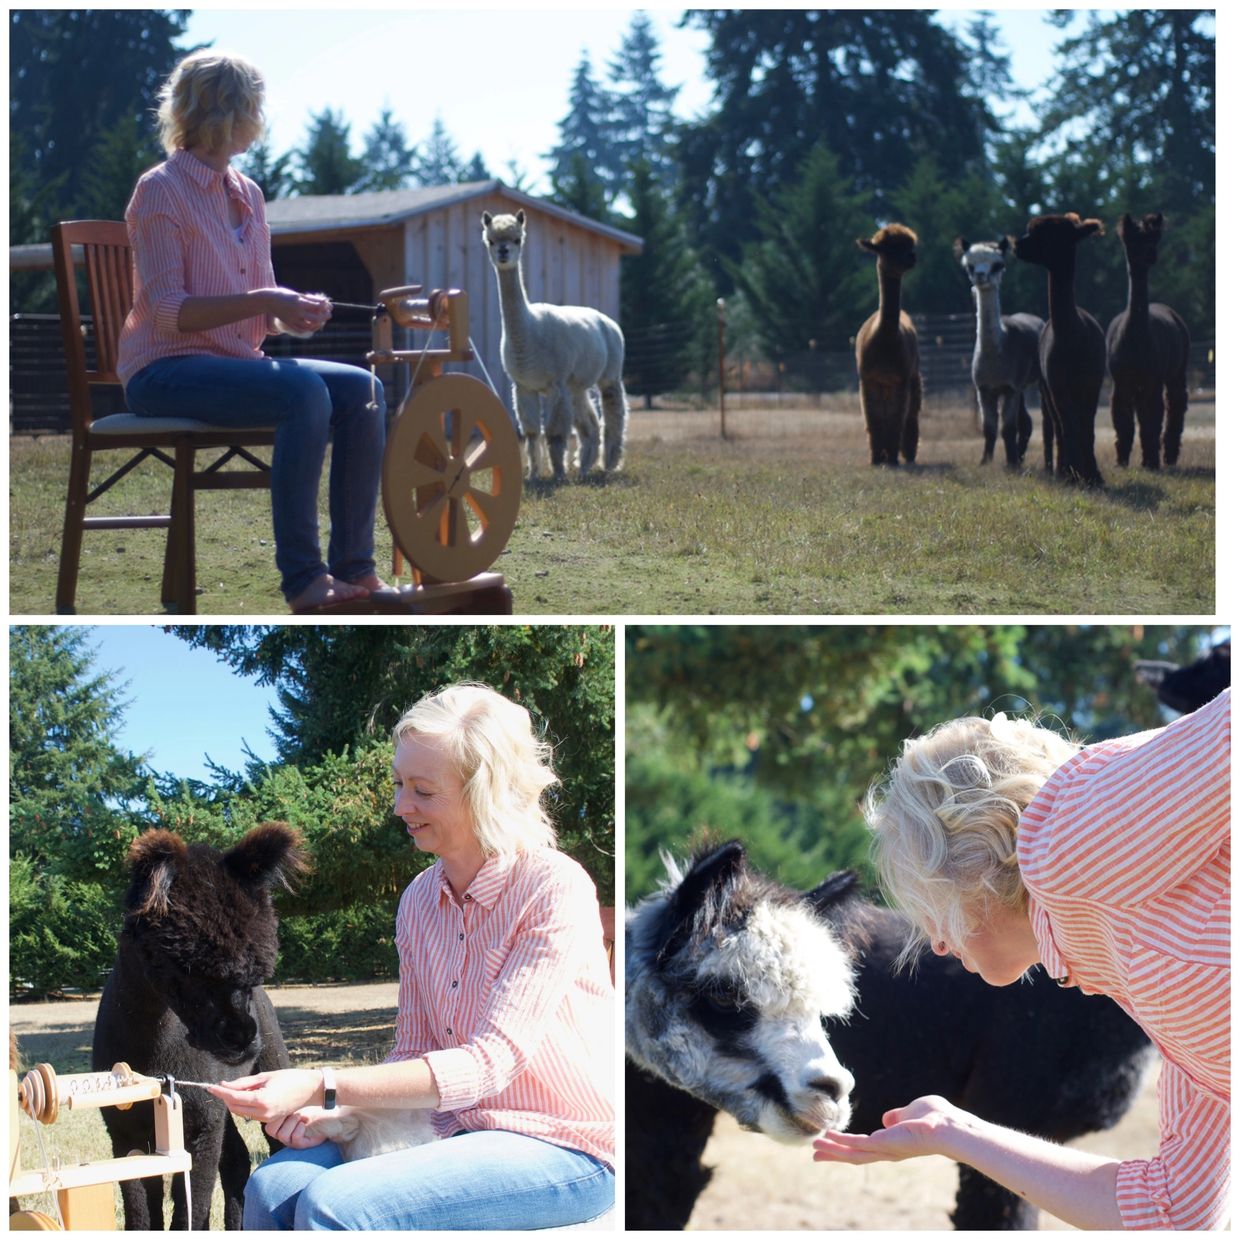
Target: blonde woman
[(1110, 866), (205, 298), (505, 1010)]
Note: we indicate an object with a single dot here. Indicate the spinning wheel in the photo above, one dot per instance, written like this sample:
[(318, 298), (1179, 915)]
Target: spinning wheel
[(452, 478), (451, 468)]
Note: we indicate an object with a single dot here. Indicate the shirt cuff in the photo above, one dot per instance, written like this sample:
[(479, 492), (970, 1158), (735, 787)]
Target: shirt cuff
[(456, 1078), (167, 314), (1142, 1196)]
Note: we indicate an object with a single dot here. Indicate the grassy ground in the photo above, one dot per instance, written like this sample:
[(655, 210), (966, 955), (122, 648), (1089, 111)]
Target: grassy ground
[(321, 1024), (785, 517)]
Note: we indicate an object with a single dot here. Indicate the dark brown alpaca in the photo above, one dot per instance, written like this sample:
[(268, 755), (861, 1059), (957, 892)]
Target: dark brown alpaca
[(1147, 355), (1071, 349), (185, 998), (887, 359)]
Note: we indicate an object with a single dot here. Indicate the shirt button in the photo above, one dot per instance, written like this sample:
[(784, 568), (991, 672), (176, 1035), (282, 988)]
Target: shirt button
[(454, 985), (460, 937), (468, 896), (449, 1033)]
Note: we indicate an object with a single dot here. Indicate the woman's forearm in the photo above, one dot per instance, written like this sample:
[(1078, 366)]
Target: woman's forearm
[(198, 314), (1075, 1186), (407, 1083)]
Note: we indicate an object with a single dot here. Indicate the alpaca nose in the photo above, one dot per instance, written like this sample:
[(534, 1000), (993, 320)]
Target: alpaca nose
[(837, 1087)]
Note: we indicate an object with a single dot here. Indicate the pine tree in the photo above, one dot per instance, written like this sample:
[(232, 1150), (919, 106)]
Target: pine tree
[(439, 161), (118, 159), (584, 133), (272, 173), (665, 300), (387, 159), (326, 166), (71, 789), (641, 122), (581, 190)]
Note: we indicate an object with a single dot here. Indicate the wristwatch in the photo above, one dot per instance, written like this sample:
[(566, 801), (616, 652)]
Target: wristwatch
[(329, 1089)]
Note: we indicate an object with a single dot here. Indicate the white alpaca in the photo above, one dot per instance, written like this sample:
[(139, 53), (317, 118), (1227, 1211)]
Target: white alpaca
[(365, 1132), (560, 353)]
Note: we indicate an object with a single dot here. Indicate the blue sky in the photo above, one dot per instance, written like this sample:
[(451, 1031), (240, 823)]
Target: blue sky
[(499, 77), (184, 703)]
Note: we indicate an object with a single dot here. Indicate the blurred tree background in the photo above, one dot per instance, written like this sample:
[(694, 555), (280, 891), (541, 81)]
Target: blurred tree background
[(77, 800), (773, 733), (866, 115)]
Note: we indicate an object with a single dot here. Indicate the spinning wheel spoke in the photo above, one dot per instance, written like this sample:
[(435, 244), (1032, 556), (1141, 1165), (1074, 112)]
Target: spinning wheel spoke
[(421, 475), (484, 505)]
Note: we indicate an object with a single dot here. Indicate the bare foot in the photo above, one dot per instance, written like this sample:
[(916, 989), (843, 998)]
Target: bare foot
[(372, 582), (325, 591)]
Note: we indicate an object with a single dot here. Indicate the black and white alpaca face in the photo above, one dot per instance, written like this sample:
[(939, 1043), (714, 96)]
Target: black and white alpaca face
[(503, 235), (984, 264), (204, 929), (729, 979)]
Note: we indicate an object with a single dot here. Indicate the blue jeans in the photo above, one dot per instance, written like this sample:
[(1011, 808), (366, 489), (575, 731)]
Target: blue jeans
[(308, 402), (485, 1181)]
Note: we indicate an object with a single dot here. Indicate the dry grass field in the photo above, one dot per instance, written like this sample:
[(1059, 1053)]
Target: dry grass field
[(784, 517)]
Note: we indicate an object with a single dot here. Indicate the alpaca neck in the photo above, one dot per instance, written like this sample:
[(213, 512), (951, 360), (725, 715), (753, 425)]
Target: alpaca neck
[(888, 301), (1061, 293), (1138, 295), (989, 321), (514, 305)]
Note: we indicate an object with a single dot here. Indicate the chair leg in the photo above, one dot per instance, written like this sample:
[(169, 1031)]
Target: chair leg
[(71, 537), (179, 576)]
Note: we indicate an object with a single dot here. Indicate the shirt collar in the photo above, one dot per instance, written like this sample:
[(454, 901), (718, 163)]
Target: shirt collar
[(487, 884), (1052, 961), (205, 176)]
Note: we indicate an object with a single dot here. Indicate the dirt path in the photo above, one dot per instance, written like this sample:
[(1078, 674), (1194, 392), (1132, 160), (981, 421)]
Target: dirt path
[(358, 1019), (761, 1186)]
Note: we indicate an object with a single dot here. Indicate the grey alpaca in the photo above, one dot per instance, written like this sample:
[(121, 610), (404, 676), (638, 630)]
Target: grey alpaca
[(560, 354), (1147, 355), (185, 999), (1005, 354)]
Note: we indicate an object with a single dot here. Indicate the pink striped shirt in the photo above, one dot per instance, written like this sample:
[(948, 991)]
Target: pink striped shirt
[(507, 996), (184, 246), (1126, 855)]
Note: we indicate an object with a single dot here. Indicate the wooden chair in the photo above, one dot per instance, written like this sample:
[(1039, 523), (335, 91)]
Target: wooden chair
[(105, 259)]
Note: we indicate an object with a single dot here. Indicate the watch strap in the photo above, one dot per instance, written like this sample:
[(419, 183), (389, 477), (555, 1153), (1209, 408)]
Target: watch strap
[(329, 1089)]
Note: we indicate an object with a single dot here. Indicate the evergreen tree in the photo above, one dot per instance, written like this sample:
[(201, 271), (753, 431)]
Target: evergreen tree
[(665, 300), (641, 123), (388, 159), (325, 164), (585, 136), (582, 190), (74, 75), (439, 161), (804, 278), (476, 169), (122, 154), (272, 173), (72, 792)]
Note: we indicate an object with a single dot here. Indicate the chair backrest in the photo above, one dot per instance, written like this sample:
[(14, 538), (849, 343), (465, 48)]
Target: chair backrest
[(109, 288)]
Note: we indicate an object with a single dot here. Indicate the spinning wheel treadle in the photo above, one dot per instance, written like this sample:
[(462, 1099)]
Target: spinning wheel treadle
[(452, 478)]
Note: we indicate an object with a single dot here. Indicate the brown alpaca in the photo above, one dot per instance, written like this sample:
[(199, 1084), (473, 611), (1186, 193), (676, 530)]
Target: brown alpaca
[(1147, 355), (887, 359), (1071, 348)]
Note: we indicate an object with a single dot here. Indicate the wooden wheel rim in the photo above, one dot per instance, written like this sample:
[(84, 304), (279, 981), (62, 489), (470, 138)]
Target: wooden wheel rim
[(452, 478)]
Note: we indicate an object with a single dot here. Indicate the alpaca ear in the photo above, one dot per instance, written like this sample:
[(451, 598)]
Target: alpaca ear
[(269, 854), (866, 244), (828, 894), (702, 888), (152, 861), (1087, 228), (1006, 244), (521, 216), (486, 219), (959, 248)]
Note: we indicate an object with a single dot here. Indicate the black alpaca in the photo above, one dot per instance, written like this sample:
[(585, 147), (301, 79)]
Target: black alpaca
[(185, 999), (1147, 355), (1071, 348), (1050, 1062)]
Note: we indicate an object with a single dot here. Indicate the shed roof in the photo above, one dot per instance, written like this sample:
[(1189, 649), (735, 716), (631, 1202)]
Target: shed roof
[(313, 213)]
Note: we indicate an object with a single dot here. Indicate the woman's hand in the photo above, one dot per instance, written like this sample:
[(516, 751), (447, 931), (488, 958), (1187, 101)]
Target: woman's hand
[(907, 1132), (300, 314), (270, 1095), (297, 1129)]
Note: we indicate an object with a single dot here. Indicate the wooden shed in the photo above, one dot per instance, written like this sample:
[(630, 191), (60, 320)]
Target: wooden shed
[(351, 246)]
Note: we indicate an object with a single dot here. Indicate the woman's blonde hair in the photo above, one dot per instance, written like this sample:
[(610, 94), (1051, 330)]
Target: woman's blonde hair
[(504, 766), (945, 820), (209, 100)]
